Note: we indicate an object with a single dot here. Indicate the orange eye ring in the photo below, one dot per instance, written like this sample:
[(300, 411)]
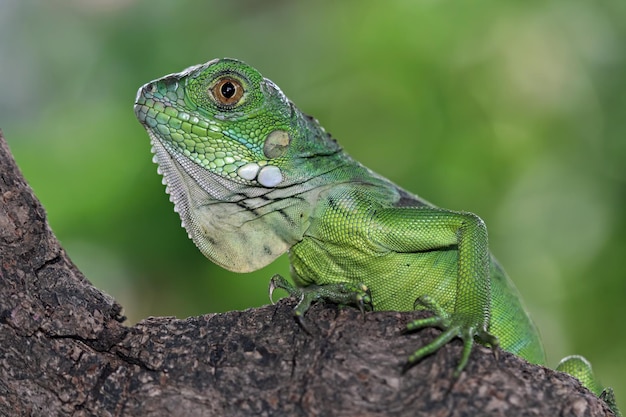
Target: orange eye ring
[(227, 92)]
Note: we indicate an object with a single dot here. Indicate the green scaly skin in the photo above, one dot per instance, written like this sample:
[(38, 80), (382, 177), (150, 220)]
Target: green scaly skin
[(252, 178)]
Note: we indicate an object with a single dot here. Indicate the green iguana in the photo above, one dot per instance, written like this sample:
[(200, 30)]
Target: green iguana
[(252, 177)]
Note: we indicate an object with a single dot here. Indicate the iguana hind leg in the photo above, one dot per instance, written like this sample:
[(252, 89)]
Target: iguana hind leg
[(580, 368)]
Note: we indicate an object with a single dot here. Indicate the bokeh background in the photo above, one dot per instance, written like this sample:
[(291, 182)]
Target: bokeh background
[(513, 110)]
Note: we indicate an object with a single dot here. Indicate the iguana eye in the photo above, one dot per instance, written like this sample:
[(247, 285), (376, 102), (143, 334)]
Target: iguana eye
[(227, 92)]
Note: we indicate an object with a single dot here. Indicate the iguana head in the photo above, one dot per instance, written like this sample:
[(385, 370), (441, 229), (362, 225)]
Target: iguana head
[(225, 117), (240, 161)]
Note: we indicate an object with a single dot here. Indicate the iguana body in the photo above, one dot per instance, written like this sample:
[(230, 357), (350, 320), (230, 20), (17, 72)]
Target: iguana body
[(252, 178)]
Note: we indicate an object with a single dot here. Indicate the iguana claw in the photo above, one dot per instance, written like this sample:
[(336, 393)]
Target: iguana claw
[(277, 281), (453, 325)]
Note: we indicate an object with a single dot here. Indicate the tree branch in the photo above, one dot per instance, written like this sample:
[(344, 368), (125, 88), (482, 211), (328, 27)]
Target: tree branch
[(64, 351)]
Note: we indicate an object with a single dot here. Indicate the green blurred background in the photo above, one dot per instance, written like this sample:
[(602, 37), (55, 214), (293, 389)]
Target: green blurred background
[(513, 110)]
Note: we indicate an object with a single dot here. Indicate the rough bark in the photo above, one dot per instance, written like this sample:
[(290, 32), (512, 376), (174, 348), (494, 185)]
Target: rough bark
[(64, 351)]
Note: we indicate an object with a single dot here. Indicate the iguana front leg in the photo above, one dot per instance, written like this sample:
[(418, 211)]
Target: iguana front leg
[(454, 286), (423, 229)]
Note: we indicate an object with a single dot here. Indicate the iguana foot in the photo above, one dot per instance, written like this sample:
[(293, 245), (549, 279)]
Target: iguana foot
[(608, 396), (341, 293), (453, 325)]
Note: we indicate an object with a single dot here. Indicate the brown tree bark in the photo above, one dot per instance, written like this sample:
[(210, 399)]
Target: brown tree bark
[(64, 351)]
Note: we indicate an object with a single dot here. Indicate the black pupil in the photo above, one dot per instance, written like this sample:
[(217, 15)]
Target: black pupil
[(228, 89)]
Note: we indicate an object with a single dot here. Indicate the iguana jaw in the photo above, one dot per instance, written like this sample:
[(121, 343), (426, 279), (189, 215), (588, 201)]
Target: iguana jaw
[(238, 227)]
